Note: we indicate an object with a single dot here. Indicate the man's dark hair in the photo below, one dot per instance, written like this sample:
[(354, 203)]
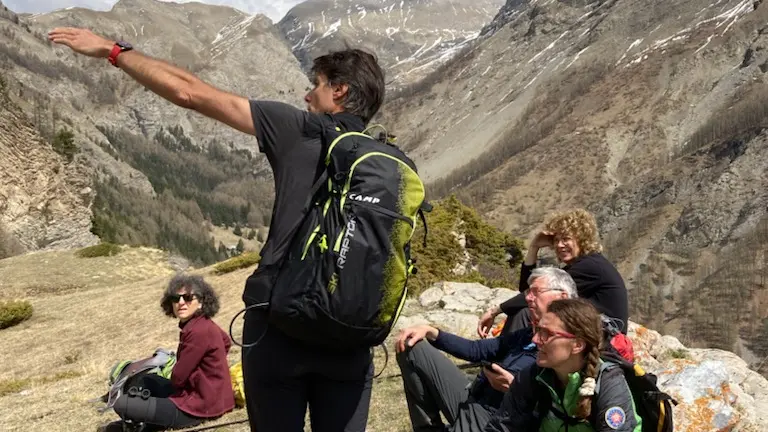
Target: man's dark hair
[(361, 72), (209, 301)]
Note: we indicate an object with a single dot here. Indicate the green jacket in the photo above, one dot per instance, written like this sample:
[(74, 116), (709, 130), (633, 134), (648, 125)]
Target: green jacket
[(612, 408)]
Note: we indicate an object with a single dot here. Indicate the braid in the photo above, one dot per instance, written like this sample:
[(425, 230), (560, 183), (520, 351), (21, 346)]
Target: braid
[(582, 319), (587, 389)]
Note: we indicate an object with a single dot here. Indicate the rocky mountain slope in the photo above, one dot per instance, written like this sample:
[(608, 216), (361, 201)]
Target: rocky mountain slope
[(130, 135), (112, 117), (651, 116), (234, 51), (411, 38), (44, 200)]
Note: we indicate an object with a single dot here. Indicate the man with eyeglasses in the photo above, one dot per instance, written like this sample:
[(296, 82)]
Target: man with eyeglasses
[(434, 384)]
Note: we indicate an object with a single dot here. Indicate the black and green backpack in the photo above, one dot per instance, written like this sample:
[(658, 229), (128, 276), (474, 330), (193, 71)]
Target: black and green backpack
[(343, 280)]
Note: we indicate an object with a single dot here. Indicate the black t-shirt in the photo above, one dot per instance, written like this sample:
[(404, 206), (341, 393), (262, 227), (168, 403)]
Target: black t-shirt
[(291, 140)]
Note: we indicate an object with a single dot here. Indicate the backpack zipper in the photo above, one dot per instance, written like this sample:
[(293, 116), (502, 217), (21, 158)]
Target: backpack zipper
[(384, 211), (373, 207)]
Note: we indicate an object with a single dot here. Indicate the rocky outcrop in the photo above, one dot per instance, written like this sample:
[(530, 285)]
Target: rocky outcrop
[(715, 389), (44, 201)]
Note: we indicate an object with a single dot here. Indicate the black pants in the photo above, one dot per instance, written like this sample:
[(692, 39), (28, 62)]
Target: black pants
[(157, 412), (434, 385), (283, 376)]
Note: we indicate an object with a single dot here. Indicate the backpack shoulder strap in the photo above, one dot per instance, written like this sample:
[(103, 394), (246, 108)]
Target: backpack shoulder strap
[(604, 366), (321, 173), (425, 207)]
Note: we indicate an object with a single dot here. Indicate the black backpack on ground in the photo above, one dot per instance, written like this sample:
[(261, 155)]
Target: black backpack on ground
[(343, 280)]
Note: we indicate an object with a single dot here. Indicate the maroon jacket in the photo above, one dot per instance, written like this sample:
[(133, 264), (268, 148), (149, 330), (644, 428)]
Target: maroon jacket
[(201, 374)]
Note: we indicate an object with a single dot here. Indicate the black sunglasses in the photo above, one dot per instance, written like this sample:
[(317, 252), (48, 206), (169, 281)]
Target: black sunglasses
[(187, 297)]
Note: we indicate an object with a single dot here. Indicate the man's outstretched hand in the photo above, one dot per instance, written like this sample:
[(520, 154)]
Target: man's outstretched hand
[(82, 41)]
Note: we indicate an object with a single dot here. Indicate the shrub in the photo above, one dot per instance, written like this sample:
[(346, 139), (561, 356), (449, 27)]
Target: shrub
[(246, 259), (679, 353), (14, 312), (486, 245), (11, 386), (99, 250), (64, 144)]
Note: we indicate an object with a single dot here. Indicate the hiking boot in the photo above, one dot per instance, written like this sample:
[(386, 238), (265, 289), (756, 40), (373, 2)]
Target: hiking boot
[(115, 426), (129, 426)]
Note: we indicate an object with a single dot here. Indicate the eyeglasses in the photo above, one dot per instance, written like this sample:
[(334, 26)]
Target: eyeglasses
[(546, 334), (187, 297), (536, 293)]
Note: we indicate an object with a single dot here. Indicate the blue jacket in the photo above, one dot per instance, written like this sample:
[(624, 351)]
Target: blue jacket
[(513, 351)]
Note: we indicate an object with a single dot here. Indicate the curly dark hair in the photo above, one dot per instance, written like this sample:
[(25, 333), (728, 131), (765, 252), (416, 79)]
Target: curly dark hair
[(205, 293)]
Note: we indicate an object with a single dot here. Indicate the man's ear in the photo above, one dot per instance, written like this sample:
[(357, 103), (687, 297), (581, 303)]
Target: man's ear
[(340, 92), (563, 295)]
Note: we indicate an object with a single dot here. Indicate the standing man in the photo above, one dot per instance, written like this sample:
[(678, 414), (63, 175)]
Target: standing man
[(282, 375)]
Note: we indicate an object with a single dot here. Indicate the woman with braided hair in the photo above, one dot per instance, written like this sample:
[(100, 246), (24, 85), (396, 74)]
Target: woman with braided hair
[(561, 392)]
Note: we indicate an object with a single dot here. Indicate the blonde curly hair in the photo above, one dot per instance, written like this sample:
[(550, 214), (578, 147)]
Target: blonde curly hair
[(578, 224)]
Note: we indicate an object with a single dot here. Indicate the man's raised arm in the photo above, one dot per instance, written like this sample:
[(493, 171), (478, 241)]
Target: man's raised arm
[(172, 83)]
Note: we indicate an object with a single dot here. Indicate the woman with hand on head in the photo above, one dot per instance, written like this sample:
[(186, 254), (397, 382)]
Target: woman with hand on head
[(200, 387), (575, 238), (559, 393)]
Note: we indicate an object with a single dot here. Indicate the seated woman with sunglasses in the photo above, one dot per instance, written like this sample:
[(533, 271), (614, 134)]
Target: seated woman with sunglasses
[(200, 386), (559, 393)]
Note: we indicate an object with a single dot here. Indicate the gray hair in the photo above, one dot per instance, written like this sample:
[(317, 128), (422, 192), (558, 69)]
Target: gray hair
[(557, 279)]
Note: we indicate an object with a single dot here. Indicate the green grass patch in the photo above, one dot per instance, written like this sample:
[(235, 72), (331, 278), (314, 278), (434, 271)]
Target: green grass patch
[(99, 250), (14, 312), (11, 386), (679, 353), (243, 260), (58, 376)]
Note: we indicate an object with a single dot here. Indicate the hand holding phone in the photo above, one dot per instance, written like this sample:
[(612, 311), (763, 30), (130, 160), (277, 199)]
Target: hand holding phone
[(486, 364)]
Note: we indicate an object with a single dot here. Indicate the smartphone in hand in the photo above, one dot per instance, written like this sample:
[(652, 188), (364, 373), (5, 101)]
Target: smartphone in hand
[(487, 365)]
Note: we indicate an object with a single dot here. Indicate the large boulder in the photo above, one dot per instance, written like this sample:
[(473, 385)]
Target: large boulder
[(715, 389)]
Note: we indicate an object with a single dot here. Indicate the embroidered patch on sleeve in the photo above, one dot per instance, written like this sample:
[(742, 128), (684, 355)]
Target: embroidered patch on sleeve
[(615, 417)]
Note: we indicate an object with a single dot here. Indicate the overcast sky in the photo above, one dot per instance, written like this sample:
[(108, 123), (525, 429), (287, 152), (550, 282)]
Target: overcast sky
[(274, 9)]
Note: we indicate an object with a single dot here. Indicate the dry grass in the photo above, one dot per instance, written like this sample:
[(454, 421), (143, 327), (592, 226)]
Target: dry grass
[(57, 361)]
